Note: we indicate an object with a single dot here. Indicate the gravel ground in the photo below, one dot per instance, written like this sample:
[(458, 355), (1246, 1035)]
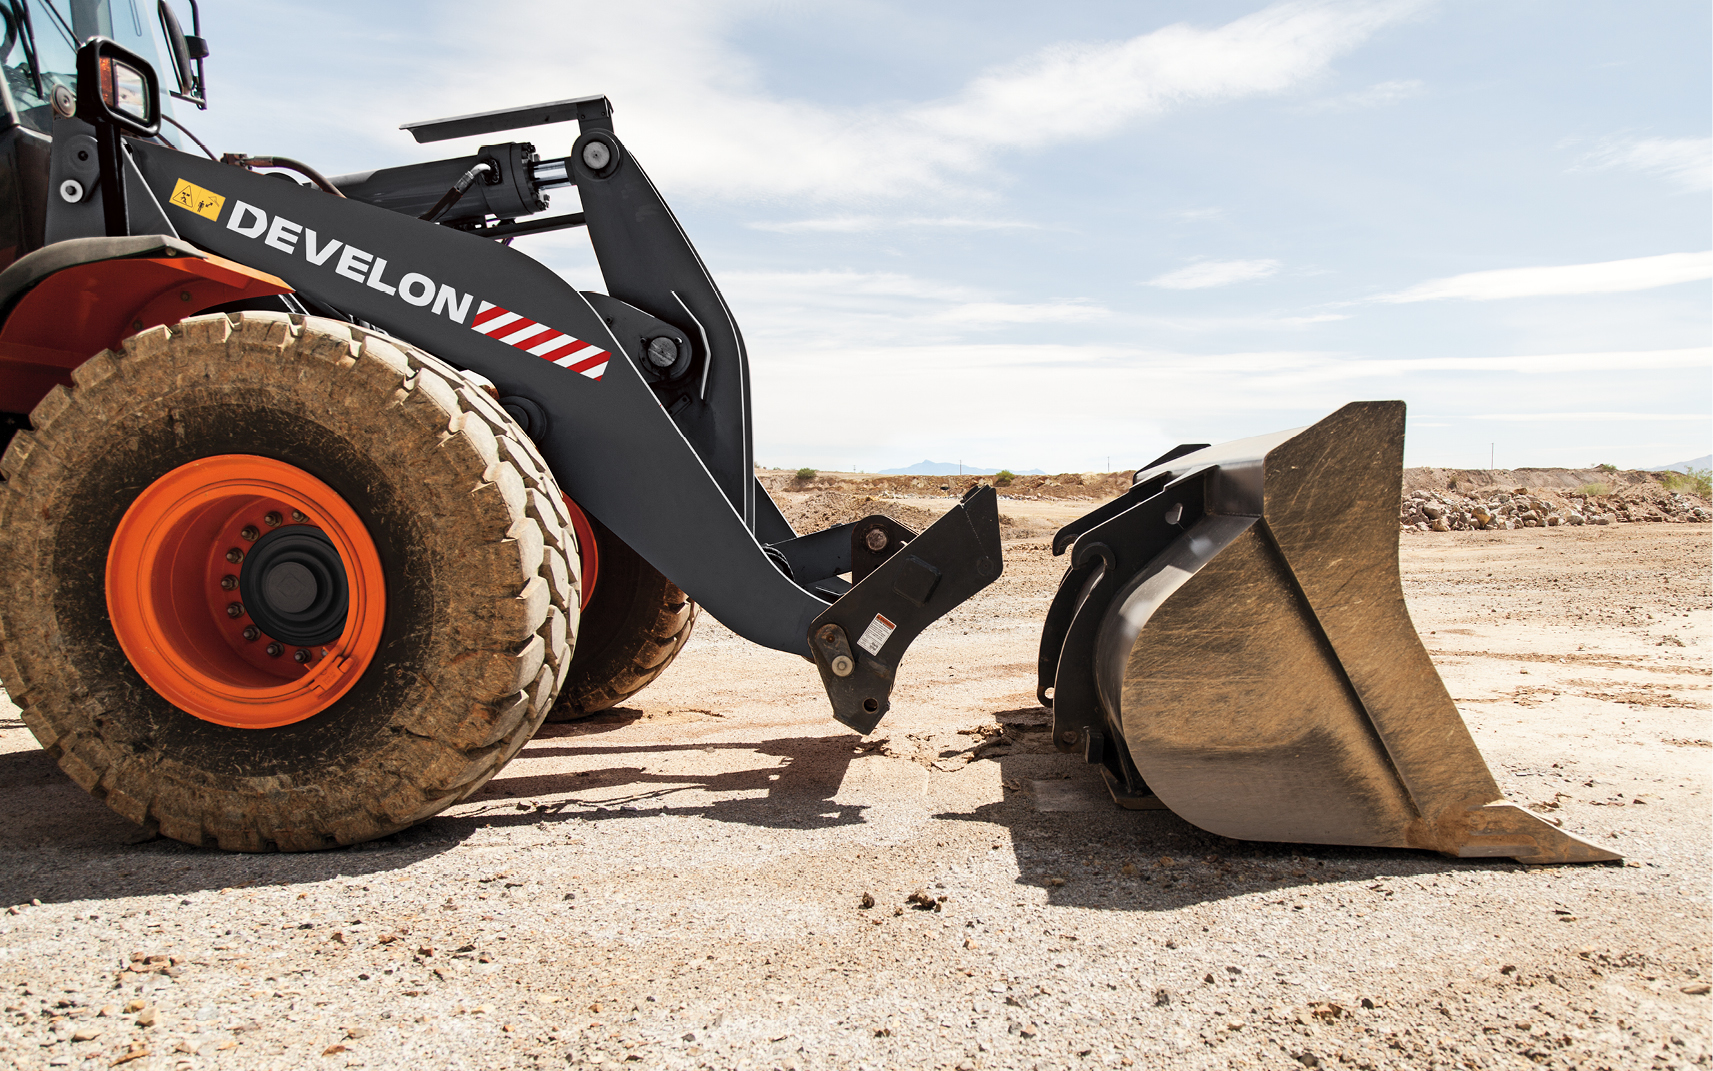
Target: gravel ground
[(680, 883)]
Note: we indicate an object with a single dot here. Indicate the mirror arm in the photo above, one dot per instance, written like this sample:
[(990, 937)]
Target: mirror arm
[(110, 153), (198, 50), (27, 33)]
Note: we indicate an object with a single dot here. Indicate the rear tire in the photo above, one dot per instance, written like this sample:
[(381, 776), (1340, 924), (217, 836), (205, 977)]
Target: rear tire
[(479, 567), (633, 628)]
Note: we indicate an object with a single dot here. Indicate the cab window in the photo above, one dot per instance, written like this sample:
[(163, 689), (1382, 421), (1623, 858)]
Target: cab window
[(39, 48)]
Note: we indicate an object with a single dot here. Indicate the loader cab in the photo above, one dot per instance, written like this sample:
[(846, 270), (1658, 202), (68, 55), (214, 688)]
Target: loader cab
[(39, 40)]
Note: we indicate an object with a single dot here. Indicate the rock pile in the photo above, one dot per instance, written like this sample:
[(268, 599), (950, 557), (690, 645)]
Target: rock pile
[(1454, 511)]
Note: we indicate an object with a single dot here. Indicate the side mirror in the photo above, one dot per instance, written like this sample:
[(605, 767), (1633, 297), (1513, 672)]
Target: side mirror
[(184, 51), (117, 86)]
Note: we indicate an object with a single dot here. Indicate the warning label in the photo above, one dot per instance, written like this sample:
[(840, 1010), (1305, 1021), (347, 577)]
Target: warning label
[(190, 196), (874, 637)]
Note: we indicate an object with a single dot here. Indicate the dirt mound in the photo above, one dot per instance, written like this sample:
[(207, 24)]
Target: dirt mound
[(1451, 500), (831, 498), (826, 506), (1092, 486), (1433, 499)]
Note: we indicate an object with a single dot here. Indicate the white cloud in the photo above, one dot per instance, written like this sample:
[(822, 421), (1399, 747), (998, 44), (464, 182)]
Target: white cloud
[(863, 224), (1606, 277), (1215, 273), (1198, 215), (837, 309), (1375, 96), (700, 116), (996, 313), (1687, 162), (1575, 418)]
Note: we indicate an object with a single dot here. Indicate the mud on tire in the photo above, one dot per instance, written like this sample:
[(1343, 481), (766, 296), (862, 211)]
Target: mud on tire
[(479, 562), (632, 629)]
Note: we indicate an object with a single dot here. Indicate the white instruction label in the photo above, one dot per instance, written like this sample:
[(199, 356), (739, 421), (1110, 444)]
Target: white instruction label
[(874, 637)]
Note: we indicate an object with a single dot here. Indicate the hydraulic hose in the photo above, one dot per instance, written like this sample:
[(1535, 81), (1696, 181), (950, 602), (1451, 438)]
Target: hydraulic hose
[(240, 160), (444, 205)]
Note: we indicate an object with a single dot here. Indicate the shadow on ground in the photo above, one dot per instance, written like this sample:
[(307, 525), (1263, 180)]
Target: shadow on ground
[(1083, 850), (1070, 840), (797, 792)]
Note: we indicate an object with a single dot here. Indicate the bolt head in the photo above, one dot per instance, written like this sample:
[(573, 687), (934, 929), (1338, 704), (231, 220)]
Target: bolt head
[(829, 633), (1069, 736), (843, 666), (273, 520), (597, 155), (71, 191), (876, 539), (662, 352), (234, 609), (234, 555), (249, 534), (275, 650), (228, 582)]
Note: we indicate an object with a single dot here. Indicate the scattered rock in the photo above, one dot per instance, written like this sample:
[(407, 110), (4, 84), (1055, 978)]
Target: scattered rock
[(1696, 989), (924, 900), (866, 902), (1644, 497)]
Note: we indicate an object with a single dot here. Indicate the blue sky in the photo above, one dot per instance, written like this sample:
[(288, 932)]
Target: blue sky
[(1048, 235)]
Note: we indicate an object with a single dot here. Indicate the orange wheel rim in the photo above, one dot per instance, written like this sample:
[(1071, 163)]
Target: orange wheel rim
[(189, 550), (587, 549)]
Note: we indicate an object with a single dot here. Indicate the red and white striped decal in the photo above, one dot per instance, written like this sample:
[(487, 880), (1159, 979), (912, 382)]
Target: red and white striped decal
[(525, 334)]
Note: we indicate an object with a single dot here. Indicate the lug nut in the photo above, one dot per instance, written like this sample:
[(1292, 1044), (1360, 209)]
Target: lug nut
[(298, 516), (234, 609), (234, 555), (300, 657), (275, 650), (228, 582), (875, 540), (249, 534), (272, 520), (251, 632)]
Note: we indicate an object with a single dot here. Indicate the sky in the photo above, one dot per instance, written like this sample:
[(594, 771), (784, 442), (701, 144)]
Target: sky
[(1070, 236)]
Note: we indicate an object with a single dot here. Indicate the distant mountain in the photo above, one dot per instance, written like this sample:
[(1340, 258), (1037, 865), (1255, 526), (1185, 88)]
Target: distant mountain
[(950, 468), (1703, 462)]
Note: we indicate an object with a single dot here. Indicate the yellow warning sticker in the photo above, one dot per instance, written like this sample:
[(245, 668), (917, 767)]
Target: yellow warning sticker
[(188, 195)]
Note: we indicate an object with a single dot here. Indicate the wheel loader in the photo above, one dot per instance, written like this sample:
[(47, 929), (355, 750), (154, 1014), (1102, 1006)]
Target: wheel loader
[(320, 498)]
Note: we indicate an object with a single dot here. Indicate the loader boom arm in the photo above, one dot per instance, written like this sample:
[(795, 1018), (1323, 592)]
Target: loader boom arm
[(661, 454)]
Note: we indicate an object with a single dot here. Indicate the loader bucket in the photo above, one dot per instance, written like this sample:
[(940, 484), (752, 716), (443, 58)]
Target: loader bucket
[(1231, 642)]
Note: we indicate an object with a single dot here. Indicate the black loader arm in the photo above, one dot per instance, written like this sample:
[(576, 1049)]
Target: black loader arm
[(658, 450)]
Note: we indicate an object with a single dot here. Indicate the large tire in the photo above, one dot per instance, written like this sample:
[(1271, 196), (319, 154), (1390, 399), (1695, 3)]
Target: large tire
[(632, 629), (473, 542)]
